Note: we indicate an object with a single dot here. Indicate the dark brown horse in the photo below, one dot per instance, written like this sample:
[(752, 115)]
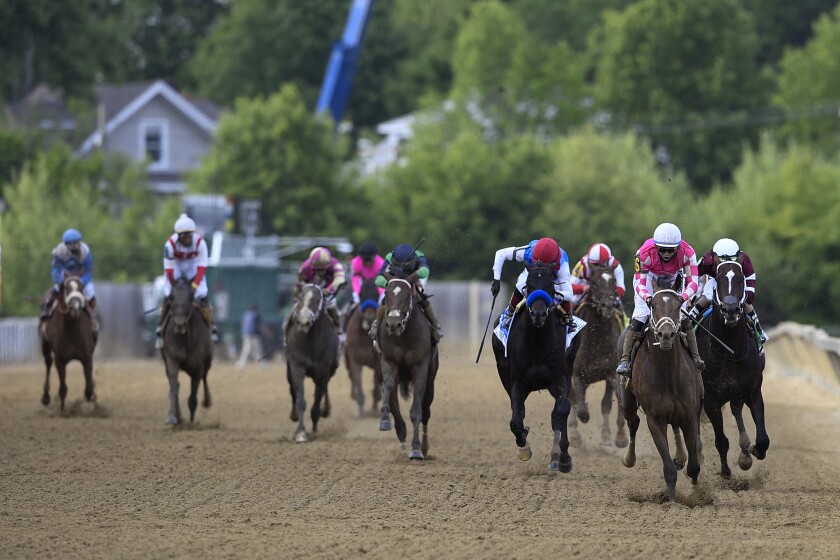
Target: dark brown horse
[(186, 346), (736, 376), (311, 351), (595, 359), (359, 351), (535, 359), (667, 386), (68, 334), (407, 359)]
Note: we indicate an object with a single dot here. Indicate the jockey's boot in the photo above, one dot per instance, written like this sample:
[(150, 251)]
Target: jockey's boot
[(696, 313), (164, 312), (92, 312), (623, 368), (691, 338), (753, 316), (437, 333), (47, 305), (374, 327), (206, 311), (506, 318)]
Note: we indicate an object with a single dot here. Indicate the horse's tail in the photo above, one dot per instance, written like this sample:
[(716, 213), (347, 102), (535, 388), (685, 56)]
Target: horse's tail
[(405, 389)]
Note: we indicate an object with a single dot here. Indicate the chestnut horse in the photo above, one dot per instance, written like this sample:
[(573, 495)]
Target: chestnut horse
[(407, 359), (359, 351), (732, 377), (596, 356), (68, 334), (667, 386)]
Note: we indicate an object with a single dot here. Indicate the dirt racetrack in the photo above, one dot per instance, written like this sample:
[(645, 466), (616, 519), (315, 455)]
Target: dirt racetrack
[(112, 481)]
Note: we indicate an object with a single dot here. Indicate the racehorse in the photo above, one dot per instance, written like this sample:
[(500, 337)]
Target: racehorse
[(596, 356), (311, 351), (535, 359), (68, 334), (186, 346), (407, 359), (359, 351), (668, 387), (734, 377)]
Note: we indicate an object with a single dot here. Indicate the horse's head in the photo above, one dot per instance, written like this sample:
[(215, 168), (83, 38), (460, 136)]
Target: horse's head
[(399, 303), (665, 317), (601, 293), (73, 293), (309, 306), (540, 289), (368, 302), (730, 292), (181, 306)]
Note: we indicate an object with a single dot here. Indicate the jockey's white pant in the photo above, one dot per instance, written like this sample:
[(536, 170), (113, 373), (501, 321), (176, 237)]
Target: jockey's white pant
[(200, 292), (88, 291), (709, 289), (641, 311)]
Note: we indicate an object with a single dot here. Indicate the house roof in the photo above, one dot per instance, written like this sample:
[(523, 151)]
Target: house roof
[(121, 102), (43, 107)]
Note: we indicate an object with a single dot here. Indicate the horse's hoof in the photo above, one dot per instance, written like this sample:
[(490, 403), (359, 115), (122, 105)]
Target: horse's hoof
[(385, 425), (745, 461), (171, 421), (416, 454), (325, 413), (565, 467), (629, 460), (622, 443), (524, 453), (679, 464), (583, 416), (554, 466), (293, 416), (301, 437), (726, 474), (757, 453), (45, 400)]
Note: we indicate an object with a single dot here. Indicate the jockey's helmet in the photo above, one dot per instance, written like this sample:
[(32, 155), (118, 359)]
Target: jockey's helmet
[(667, 236), (320, 258), (599, 253), (367, 250), (402, 255), (71, 236), (726, 249), (546, 251), (184, 224)]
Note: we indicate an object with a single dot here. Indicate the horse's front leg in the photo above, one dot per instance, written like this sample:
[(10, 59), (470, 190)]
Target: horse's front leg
[(48, 361), (315, 411), (61, 368), (659, 432), (90, 393), (420, 375), (606, 410), (293, 415), (192, 400), (736, 406), (680, 456), (721, 441), (631, 415), (354, 370), (560, 458), (296, 378), (762, 440), (621, 439), (517, 420), (388, 382), (580, 410), (207, 402), (174, 415)]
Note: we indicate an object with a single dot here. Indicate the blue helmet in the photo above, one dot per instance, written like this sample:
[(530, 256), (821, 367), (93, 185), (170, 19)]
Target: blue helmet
[(71, 236), (402, 255)]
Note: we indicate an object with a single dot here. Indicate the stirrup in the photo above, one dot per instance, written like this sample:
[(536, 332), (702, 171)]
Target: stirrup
[(699, 363), (623, 371), (158, 343)]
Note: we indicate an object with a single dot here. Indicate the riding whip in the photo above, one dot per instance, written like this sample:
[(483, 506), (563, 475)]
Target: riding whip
[(716, 339), (480, 348)]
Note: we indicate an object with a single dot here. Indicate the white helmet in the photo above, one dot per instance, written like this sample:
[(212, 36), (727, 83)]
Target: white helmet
[(667, 235), (599, 253), (726, 249), (184, 224)]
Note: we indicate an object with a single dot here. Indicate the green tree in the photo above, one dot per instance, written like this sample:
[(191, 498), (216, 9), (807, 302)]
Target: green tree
[(809, 81), (783, 24), (671, 67), (274, 149), (569, 21)]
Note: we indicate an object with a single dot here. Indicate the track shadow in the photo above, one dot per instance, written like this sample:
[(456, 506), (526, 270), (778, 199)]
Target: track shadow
[(78, 408)]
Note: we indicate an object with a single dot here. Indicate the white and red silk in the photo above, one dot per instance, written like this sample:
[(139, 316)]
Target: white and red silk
[(584, 273), (685, 261)]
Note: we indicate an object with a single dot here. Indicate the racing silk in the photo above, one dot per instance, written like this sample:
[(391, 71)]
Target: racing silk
[(188, 261), (329, 279), (360, 272), (707, 266), (560, 267), (421, 267), (64, 261), (648, 262), (582, 275)]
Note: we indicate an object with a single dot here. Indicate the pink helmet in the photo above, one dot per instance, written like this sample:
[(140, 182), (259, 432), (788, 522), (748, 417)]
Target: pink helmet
[(320, 258), (599, 253)]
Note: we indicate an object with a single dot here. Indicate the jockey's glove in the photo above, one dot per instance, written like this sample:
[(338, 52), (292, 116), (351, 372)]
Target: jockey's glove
[(495, 287), (194, 286), (648, 299)]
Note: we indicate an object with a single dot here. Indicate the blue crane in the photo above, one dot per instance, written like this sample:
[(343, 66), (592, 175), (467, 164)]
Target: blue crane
[(335, 90)]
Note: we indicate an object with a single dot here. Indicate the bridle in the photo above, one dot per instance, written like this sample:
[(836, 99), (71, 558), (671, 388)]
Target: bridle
[(305, 311), (657, 324), (729, 275), (396, 312)]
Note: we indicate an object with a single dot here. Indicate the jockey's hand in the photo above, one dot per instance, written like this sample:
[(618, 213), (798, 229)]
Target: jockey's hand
[(648, 299), (684, 296), (356, 298), (584, 288), (495, 287), (194, 286)]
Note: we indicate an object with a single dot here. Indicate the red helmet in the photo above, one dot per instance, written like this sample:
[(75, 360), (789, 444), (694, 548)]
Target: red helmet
[(599, 253), (546, 251)]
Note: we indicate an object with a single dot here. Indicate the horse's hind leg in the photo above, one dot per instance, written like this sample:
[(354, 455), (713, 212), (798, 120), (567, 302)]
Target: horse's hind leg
[(208, 401), (680, 456), (48, 361), (659, 432), (315, 411), (736, 406), (296, 378), (327, 408), (354, 370), (416, 411), (174, 415), (580, 410), (762, 440), (721, 441), (387, 392), (517, 421), (691, 434), (377, 391), (631, 415), (606, 409), (192, 401), (621, 439), (90, 393), (61, 368), (560, 458)]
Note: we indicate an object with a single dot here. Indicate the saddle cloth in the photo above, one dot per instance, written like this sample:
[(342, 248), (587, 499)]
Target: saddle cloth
[(502, 334)]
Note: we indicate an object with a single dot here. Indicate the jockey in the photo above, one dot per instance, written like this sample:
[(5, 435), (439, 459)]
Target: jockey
[(667, 256), (538, 251), (727, 250), (598, 254), (365, 266), (324, 270), (73, 257), (185, 256), (403, 261)]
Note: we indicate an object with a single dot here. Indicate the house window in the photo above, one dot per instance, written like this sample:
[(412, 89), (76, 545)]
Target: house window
[(154, 143)]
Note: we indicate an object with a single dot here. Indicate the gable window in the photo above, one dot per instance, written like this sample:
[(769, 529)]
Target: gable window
[(154, 143)]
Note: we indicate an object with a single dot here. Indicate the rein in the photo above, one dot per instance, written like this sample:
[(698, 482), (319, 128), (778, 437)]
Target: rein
[(656, 324)]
